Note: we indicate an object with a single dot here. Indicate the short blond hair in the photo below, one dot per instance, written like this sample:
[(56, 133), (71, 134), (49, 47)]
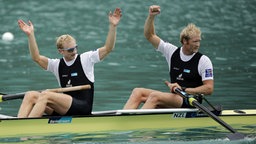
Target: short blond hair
[(189, 31), (63, 39)]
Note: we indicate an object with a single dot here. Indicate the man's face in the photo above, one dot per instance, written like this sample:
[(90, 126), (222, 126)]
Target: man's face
[(69, 51), (193, 44)]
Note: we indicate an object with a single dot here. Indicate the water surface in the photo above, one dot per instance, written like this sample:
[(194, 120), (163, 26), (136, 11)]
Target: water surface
[(228, 29)]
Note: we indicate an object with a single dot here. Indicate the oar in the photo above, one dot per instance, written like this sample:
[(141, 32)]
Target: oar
[(234, 136), (59, 90)]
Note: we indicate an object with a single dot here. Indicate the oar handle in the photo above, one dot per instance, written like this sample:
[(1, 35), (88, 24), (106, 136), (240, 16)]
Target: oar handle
[(58, 90), (67, 89)]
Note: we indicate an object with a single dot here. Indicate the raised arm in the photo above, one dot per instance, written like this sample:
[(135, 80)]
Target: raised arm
[(33, 48), (149, 29), (114, 19)]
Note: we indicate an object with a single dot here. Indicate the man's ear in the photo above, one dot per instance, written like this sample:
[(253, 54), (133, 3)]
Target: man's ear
[(184, 41), (60, 51)]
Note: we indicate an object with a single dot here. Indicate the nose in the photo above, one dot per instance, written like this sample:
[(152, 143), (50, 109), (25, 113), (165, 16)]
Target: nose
[(198, 44)]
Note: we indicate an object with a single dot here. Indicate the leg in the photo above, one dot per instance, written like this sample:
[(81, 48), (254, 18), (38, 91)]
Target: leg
[(27, 104), (49, 102), (159, 99), (138, 96)]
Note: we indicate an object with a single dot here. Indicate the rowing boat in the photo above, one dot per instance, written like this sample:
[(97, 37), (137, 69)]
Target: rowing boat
[(126, 120)]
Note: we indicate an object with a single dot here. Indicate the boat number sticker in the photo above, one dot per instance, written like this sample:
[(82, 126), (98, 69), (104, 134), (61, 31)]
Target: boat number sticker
[(57, 120), (184, 115), (179, 115)]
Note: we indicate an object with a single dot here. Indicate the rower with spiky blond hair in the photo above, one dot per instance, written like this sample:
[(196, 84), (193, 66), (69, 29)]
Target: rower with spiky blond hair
[(188, 69)]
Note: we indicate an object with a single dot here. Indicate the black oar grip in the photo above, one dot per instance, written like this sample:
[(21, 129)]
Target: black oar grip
[(13, 96)]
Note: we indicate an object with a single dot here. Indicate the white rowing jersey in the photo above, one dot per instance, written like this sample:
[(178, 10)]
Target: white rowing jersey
[(205, 67), (88, 59)]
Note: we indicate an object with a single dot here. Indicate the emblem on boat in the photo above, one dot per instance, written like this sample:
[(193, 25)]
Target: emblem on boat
[(57, 120)]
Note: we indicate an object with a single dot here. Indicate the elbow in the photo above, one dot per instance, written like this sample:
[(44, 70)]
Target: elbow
[(151, 39), (209, 90), (109, 49), (148, 36), (208, 87), (36, 59), (104, 51)]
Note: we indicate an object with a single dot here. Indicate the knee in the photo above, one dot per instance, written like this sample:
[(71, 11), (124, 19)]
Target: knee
[(44, 95), (137, 93), (31, 96), (153, 97), (43, 98)]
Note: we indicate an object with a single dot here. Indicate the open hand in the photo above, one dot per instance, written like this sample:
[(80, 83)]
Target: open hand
[(115, 17), (27, 28)]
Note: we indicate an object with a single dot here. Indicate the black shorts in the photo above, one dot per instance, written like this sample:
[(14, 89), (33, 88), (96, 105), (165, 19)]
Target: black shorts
[(78, 107)]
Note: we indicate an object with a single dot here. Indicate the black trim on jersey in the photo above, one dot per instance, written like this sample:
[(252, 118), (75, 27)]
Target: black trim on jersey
[(185, 73), (73, 76)]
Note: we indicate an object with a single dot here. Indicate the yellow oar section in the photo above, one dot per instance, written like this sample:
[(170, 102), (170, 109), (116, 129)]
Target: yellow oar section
[(1, 98)]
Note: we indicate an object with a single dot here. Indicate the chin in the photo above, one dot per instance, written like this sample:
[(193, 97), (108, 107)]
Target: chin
[(195, 51)]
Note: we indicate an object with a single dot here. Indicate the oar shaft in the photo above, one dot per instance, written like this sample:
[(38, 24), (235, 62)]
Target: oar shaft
[(58, 90), (213, 116), (205, 110)]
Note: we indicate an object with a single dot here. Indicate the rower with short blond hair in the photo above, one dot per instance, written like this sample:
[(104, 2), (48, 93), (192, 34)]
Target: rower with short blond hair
[(72, 69)]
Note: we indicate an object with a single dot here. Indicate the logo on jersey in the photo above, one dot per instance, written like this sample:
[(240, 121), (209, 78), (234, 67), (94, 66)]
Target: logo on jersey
[(175, 68), (208, 73), (69, 84), (180, 77), (186, 70), (74, 74)]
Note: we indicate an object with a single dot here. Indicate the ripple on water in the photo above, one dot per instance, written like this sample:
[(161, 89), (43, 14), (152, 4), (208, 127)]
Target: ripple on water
[(221, 58)]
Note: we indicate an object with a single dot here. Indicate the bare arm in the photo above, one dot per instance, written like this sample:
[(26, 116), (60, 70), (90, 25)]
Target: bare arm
[(111, 37), (33, 48), (206, 88), (149, 29)]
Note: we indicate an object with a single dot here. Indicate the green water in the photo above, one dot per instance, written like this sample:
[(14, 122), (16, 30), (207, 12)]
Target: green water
[(190, 136), (228, 28)]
